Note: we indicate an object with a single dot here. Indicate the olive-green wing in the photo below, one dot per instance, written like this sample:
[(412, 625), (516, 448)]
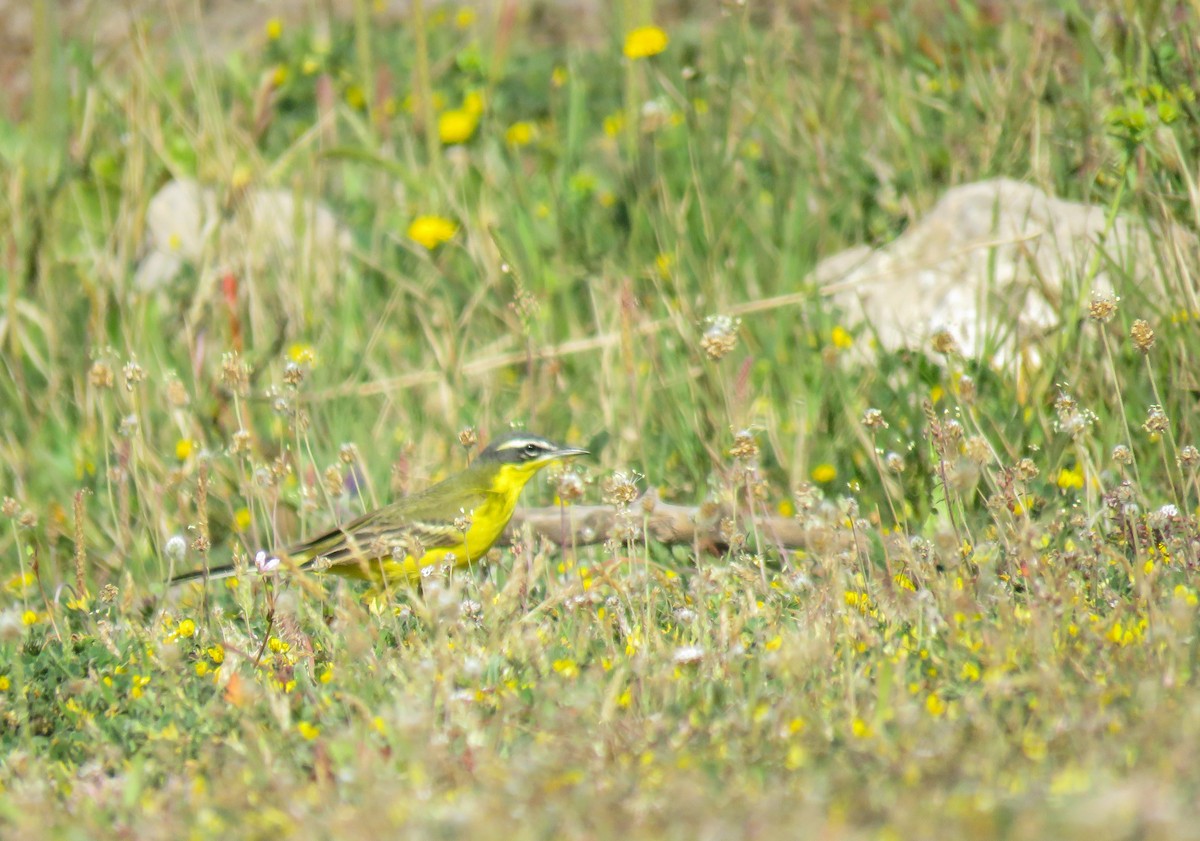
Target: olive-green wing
[(410, 526)]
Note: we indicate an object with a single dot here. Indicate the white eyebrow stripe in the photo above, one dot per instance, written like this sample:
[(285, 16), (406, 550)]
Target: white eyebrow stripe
[(518, 443)]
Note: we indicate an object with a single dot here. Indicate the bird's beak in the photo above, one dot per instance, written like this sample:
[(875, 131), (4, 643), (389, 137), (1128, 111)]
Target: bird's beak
[(566, 452)]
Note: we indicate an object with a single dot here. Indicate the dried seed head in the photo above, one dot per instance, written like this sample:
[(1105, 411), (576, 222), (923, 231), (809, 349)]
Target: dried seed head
[(348, 453), (966, 389), (1072, 421), (133, 373), (1189, 456), (333, 480), (978, 450), (235, 374), (177, 395), (1026, 470), (873, 419), (620, 489), (241, 442), (1103, 307), (468, 437), (293, 374), (1122, 454), (109, 593), (10, 507), (720, 336), (101, 375), (744, 448), (1156, 420), (569, 486), (894, 462), (27, 519), (1143, 335), (943, 342)]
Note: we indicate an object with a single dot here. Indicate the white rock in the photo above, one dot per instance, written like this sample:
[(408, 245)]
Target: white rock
[(990, 262)]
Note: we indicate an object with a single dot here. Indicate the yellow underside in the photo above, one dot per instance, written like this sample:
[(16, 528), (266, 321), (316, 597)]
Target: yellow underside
[(488, 522)]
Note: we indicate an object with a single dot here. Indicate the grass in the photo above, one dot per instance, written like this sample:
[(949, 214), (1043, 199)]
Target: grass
[(1011, 653)]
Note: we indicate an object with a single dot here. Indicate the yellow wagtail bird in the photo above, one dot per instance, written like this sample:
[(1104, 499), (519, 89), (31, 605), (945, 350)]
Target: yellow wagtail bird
[(452, 524)]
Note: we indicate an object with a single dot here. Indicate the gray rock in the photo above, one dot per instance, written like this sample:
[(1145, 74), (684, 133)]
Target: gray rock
[(997, 264)]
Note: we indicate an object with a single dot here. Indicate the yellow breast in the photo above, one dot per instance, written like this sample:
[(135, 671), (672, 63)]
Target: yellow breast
[(487, 523)]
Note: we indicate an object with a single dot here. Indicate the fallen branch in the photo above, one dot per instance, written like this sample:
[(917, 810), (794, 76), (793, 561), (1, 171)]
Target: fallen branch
[(707, 527)]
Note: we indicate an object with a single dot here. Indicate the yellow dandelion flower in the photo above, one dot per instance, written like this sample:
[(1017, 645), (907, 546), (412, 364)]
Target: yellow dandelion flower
[(241, 519), (786, 508), (663, 263), (184, 447), (473, 103), (1070, 478), (326, 675), (280, 75), (935, 705), (431, 231), (302, 354), (464, 18), (5, 683), (457, 125), (29, 617), (841, 338), (860, 729), (355, 97), (519, 134), (274, 29), (823, 473), (613, 124), (645, 41), (308, 730), (186, 628)]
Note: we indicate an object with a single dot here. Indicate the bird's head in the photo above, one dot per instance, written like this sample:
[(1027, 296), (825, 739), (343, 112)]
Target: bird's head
[(526, 451)]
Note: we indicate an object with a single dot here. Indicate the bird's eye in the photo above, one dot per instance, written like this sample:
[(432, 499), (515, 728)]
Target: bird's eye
[(531, 449)]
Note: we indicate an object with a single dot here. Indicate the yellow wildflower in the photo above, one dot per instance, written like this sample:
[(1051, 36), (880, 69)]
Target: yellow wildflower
[(302, 354), (823, 473), (519, 134), (308, 730), (431, 231), (645, 41), (184, 448), (457, 125), (186, 628), (841, 338), (1070, 478), (464, 18), (274, 29)]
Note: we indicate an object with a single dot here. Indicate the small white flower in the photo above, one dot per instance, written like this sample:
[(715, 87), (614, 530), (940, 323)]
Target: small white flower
[(688, 654), (265, 563), (176, 548)]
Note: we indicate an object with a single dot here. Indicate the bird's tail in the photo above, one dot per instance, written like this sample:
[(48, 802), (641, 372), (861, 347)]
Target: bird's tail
[(229, 571), (206, 574), (332, 546)]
